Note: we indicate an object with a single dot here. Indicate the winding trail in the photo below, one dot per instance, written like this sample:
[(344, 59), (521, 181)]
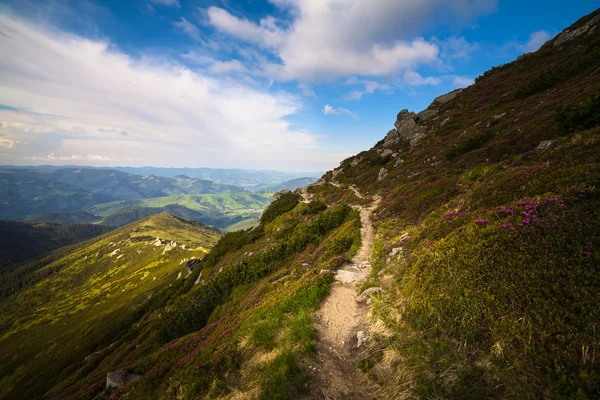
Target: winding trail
[(340, 319)]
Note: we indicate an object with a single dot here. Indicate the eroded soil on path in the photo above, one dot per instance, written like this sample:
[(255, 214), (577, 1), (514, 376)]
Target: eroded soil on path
[(339, 320)]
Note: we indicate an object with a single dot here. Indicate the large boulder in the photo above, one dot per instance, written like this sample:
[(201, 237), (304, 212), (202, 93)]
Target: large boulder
[(117, 379)]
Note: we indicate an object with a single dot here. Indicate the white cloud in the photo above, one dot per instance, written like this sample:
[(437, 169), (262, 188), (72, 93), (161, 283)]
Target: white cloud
[(307, 90), (370, 87), (536, 40), (266, 33), (456, 48), (169, 3), (415, 79), (72, 94), (328, 39), (462, 81), (188, 28), (226, 67), (329, 110), (7, 143)]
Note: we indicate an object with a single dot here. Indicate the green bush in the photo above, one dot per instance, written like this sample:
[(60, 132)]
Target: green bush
[(286, 202), (579, 117)]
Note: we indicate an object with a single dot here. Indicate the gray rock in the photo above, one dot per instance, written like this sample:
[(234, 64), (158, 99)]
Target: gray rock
[(361, 337), (446, 98), (399, 162), (382, 174), (396, 251), (445, 121), (364, 296), (385, 152), (356, 161), (198, 280), (117, 379), (568, 35), (499, 116), (428, 114), (405, 124), (544, 145)]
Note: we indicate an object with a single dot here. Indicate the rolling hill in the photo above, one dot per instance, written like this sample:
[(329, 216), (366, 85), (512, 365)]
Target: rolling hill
[(224, 211), (20, 241), (83, 303)]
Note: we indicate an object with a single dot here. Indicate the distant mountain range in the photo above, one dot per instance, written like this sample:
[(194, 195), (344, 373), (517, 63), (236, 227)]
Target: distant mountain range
[(116, 198), (246, 178)]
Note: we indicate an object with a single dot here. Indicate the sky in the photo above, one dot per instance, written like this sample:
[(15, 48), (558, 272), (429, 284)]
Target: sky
[(290, 85)]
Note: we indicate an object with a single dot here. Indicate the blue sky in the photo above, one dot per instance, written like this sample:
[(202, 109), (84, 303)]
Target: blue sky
[(266, 84)]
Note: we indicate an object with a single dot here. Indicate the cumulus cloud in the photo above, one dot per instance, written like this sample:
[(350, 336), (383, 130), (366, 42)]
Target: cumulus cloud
[(74, 96), (327, 39), (329, 110), (413, 78)]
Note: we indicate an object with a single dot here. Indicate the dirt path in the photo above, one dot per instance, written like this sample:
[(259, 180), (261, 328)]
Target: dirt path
[(340, 320)]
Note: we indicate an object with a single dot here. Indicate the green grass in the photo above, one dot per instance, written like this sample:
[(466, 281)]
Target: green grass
[(86, 299), (227, 211)]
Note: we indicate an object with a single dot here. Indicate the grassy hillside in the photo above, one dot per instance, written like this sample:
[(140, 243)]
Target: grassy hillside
[(22, 196), (254, 294), (20, 241), (71, 310), (75, 217), (224, 211), (493, 288)]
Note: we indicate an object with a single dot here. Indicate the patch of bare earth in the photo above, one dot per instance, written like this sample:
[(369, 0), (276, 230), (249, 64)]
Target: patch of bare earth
[(334, 374)]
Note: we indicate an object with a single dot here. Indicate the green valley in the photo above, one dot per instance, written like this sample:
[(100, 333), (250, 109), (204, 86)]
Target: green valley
[(229, 211)]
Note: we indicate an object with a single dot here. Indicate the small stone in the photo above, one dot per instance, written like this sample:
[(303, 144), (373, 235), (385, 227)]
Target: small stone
[(361, 337), (120, 378), (544, 145), (396, 251)]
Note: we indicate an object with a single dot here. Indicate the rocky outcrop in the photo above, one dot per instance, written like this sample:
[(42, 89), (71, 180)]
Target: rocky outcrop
[(382, 174), (117, 379), (568, 34), (413, 127)]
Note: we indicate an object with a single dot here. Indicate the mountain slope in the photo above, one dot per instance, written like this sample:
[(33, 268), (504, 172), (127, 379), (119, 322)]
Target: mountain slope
[(86, 297), (488, 233), (20, 241), (219, 210), (75, 217)]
